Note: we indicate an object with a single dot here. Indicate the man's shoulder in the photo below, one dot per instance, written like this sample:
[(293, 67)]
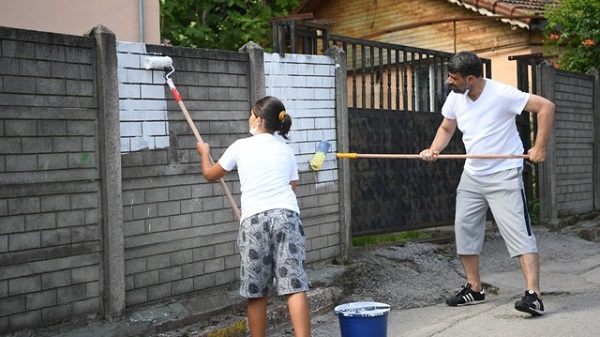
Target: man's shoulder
[(500, 85)]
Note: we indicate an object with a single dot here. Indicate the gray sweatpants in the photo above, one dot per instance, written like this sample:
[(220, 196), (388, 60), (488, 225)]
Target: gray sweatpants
[(503, 193)]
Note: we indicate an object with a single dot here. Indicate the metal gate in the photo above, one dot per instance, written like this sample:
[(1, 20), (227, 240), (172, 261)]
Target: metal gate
[(527, 82), (395, 93)]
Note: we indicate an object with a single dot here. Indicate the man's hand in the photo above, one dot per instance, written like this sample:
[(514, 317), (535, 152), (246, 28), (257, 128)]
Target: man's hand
[(537, 154), (429, 155)]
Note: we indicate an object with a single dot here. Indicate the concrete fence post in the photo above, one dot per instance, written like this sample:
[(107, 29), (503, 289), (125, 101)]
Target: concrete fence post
[(547, 170), (343, 140), (596, 140), (109, 153), (256, 74)]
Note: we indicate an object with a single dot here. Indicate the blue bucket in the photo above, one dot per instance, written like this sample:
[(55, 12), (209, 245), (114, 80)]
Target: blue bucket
[(360, 319)]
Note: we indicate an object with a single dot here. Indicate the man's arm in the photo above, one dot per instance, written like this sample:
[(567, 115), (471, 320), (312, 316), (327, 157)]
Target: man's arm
[(544, 109), (441, 140)]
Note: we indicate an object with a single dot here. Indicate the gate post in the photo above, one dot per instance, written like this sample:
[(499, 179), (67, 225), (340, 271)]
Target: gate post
[(547, 169), (343, 145)]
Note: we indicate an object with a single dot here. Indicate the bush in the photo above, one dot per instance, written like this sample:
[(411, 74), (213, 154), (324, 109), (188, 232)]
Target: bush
[(572, 34)]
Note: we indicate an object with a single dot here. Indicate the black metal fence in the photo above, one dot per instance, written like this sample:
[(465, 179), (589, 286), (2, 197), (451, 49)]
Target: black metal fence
[(527, 81), (394, 95), (381, 76)]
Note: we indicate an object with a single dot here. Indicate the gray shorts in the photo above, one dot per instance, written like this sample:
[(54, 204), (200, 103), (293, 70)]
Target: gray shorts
[(272, 249), (503, 193)]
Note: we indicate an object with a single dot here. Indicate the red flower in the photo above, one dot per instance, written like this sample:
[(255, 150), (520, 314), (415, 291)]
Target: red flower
[(589, 43), (554, 36)]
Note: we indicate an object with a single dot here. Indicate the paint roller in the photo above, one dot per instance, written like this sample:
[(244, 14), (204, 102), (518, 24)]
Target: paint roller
[(162, 62), (319, 157)]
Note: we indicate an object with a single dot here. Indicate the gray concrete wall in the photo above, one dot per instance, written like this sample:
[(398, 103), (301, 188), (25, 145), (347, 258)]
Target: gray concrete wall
[(569, 183), (102, 206), (51, 249), (306, 84), (180, 231)]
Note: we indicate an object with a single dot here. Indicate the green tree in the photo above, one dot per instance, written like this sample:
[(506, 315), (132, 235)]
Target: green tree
[(220, 24), (572, 33)]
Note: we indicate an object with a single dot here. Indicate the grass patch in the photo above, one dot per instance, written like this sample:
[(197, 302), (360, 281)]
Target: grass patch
[(372, 240), (534, 212)]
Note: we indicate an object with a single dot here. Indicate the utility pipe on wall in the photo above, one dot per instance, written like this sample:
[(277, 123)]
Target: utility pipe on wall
[(141, 19)]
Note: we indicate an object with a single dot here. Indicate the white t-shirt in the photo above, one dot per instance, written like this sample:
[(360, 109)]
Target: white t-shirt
[(489, 125), (266, 165)]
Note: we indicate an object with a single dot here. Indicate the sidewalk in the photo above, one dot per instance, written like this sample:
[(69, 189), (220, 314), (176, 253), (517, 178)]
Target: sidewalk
[(414, 278), (218, 313)]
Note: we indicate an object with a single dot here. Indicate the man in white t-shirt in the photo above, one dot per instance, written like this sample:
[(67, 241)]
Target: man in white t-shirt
[(485, 112)]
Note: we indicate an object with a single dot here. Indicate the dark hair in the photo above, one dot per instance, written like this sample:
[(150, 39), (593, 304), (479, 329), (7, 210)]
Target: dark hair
[(466, 64), (272, 111)]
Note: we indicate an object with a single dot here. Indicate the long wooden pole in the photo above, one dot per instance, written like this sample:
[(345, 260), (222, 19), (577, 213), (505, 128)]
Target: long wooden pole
[(188, 118), (440, 156)]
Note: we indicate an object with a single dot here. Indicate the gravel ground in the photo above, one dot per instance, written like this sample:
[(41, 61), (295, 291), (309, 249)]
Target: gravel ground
[(420, 274), (414, 275)]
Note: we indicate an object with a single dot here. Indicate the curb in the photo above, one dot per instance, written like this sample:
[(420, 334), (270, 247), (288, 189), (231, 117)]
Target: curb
[(319, 299)]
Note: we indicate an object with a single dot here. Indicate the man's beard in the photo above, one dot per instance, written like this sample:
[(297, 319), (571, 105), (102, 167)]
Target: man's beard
[(461, 90)]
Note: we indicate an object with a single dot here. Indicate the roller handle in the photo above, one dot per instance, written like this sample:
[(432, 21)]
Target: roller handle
[(190, 122), (347, 155), (440, 156), (174, 91)]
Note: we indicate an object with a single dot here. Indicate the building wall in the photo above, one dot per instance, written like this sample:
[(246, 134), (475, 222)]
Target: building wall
[(76, 17), (412, 23)]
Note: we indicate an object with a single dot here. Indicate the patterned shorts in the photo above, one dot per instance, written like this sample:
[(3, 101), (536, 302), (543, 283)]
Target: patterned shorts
[(272, 251)]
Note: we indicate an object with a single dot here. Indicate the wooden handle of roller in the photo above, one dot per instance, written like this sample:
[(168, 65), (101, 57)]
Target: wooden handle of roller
[(221, 181), (440, 156)]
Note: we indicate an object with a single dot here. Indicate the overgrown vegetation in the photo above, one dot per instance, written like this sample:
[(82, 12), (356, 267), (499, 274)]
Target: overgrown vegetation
[(572, 34), (220, 24)]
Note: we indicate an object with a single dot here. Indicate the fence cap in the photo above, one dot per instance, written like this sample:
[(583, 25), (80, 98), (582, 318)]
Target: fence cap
[(362, 309)]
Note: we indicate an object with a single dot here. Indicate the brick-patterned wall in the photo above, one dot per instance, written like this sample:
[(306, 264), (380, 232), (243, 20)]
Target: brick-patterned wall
[(50, 234), (180, 230), (306, 84), (574, 138), (142, 101)]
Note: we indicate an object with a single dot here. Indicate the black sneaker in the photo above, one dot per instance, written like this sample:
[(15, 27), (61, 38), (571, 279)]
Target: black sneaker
[(530, 303), (466, 296)]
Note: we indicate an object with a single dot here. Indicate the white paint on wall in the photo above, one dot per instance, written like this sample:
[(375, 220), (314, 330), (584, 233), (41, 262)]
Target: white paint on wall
[(306, 85), (142, 101)]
